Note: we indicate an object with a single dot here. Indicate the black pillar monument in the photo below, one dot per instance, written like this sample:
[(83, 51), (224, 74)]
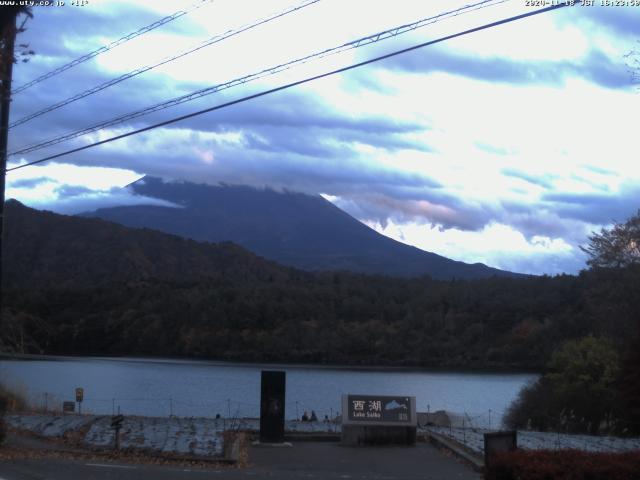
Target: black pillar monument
[(272, 392)]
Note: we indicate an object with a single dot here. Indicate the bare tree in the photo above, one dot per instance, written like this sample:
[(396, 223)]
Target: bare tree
[(633, 64)]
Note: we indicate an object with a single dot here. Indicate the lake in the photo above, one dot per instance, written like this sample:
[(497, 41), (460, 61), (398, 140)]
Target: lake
[(159, 387)]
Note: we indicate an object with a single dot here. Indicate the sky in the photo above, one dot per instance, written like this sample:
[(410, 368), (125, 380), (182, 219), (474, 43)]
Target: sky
[(507, 146)]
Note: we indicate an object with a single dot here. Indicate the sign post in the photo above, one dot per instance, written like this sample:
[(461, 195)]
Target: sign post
[(378, 419), (79, 398), (272, 394), (116, 424)]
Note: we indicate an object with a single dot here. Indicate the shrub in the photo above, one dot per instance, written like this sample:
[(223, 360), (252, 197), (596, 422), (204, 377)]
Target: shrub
[(564, 464), (13, 401), (9, 401), (576, 395), (3, 407)]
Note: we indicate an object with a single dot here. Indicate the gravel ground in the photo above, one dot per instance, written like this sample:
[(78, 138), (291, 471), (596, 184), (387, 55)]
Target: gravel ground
[(192, 436), (203, 436), (180, 435)]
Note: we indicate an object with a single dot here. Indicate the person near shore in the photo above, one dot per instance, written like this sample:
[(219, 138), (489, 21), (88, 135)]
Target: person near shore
[(314, 417), (305, 416)]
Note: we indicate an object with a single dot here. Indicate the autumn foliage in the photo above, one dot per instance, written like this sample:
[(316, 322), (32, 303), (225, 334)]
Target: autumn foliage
[(564, 464)]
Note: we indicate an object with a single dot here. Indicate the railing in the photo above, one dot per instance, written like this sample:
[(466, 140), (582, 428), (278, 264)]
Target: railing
[(468, 429)]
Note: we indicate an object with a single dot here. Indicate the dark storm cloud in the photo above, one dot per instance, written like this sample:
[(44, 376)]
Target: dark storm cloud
[(595, 67)]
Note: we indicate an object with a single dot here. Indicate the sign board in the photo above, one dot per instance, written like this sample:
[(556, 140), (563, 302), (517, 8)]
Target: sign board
[(116, 421), (379, 410), (79, 394), (68, 407)]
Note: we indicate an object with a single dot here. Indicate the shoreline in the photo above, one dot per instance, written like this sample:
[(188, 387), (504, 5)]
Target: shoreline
[(268, 365)]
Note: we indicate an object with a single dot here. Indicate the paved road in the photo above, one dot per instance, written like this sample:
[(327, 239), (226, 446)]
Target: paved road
[(305, 460)]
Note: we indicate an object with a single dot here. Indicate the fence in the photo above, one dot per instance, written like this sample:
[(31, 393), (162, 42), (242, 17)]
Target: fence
[(469, 429), (172, 407), (466, 428)]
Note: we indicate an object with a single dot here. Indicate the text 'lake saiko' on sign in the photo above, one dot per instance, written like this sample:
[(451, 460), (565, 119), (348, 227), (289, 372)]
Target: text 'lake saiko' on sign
[(376, 408)]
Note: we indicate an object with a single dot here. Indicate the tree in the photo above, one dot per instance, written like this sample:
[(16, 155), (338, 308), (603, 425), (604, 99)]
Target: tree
[(8, 32), (615, 261), (617, 247), (633, 64), (576, 394), (587, 366)]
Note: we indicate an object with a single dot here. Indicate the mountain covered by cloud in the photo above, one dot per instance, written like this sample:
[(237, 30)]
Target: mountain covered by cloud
[(296, 229), (507, 146)]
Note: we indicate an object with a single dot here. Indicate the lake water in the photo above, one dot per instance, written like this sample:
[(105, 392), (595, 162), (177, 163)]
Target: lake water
[(158, 387)]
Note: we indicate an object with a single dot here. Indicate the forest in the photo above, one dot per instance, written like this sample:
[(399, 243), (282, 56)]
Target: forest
[(79, 286)]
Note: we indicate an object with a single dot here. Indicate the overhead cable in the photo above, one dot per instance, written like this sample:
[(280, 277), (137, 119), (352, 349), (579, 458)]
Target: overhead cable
[(138, 71), (110, 46), (261, 74), (300, 82)]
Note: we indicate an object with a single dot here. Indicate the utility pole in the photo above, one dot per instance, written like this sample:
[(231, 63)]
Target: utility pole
[(8, 32)]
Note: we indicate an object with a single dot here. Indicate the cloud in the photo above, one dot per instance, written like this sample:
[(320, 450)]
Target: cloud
[(528, 138), (70, 189), (595, 67), (497, 245), (424, 207), (492, 149), (74, 199), (544, 181), (619, 20), (96, 200), (28, 182), (65, 191), (597, 207)]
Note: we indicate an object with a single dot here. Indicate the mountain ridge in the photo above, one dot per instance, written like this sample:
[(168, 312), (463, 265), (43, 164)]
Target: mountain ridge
[(42, 247), (294, 229)]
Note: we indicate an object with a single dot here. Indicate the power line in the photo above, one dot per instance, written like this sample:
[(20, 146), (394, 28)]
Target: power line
[(261, 74), (138, 71), (112, 45), (303, 81)]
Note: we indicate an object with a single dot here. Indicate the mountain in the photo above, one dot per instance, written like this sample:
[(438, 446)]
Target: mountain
[(295, 229), (85, 286), (44, 248)]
